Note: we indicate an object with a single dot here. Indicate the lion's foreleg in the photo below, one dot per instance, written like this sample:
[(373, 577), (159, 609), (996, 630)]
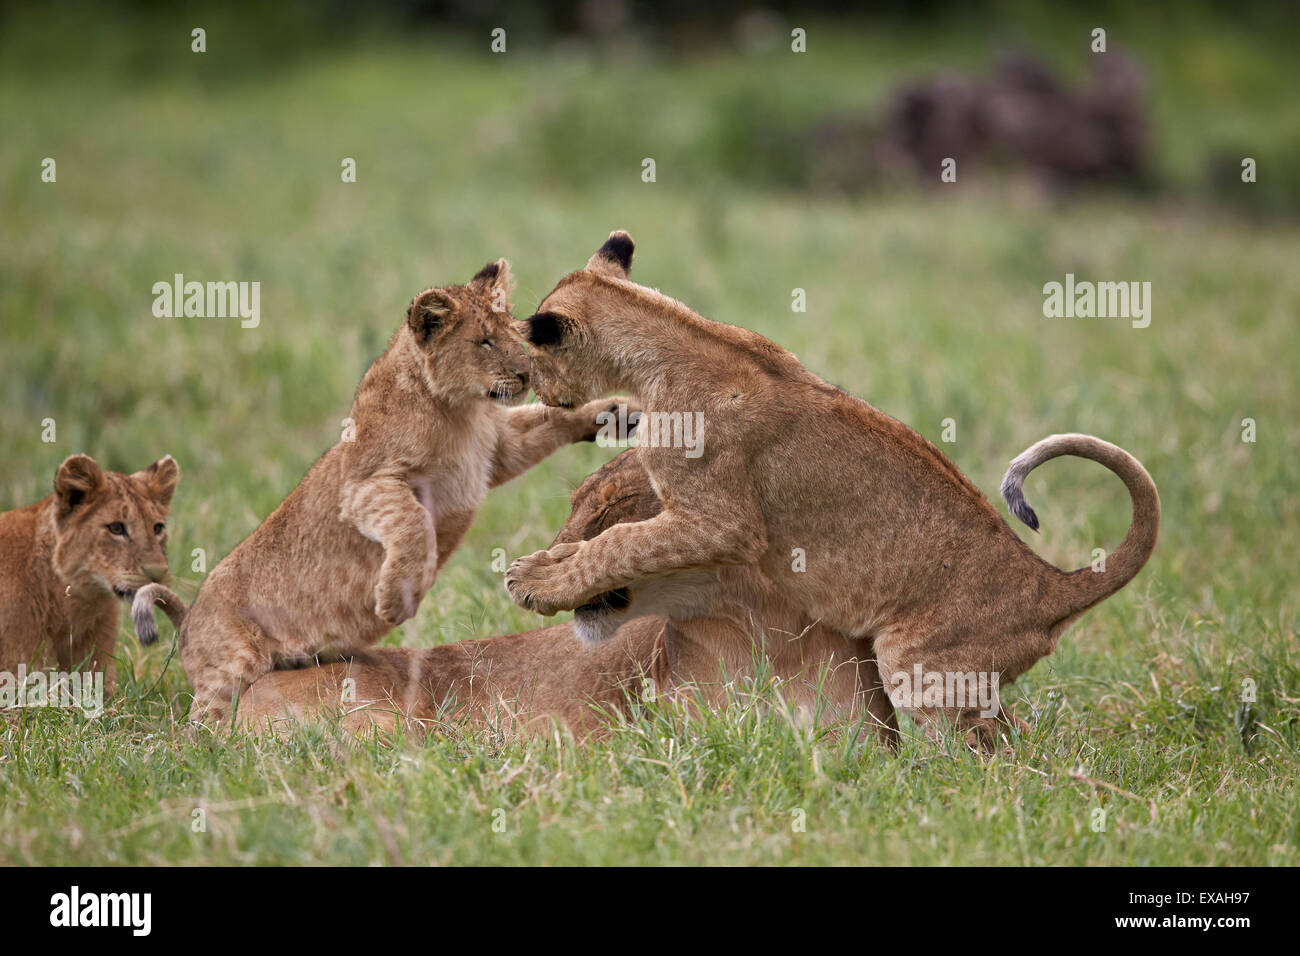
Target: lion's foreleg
[(533, 432), (568, 575), (387, 509)]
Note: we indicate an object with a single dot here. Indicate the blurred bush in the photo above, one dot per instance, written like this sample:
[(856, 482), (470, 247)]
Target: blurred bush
[(879, 94)]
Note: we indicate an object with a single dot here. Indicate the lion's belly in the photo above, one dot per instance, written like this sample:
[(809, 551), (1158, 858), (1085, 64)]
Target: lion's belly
[(451, 531), (322, 594), (452, 499), (859, 575), (850, 600)]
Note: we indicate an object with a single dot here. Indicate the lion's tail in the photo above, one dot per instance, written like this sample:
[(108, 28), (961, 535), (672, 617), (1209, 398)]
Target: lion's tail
[(142, 610), (1084, 588)]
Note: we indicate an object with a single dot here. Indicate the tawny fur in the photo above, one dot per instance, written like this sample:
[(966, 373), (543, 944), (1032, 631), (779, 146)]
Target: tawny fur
[(722, 623), (352, 551), (515, 683), (66, 561), (526, 681), (901, 549)]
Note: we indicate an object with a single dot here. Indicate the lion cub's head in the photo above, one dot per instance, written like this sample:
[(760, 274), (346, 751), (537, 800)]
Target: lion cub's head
[(620, 491), (466, 337), (110, 528), (571, 363)]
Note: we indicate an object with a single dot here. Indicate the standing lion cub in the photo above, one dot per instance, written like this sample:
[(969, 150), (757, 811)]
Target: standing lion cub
[(855, 518), (356, 546), (65, 561)]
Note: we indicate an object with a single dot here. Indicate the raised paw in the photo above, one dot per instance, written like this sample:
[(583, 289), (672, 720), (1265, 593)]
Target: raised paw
[(396, 600), (535, 584), (615, 418)]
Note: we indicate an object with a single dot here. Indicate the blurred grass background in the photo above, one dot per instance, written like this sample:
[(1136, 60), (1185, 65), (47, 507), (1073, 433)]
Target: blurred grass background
[(926, 301)]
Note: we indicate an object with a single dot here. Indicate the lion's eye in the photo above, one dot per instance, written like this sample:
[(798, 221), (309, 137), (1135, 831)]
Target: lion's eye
[(117, 528), (159, 528)]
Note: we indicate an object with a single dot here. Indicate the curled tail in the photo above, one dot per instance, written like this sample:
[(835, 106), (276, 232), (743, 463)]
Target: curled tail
[(1083, 588), (142, 610)]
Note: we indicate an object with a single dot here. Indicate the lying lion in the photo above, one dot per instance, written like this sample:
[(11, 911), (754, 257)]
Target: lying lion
[(528, 680), (860, 522)]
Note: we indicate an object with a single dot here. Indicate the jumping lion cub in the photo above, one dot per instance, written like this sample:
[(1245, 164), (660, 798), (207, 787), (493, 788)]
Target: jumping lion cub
[(65, 561), (355, 547), (854, 517)]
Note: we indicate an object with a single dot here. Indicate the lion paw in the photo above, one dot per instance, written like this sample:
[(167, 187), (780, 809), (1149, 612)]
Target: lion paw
[(534, 585), (595, 417), (396, 601)]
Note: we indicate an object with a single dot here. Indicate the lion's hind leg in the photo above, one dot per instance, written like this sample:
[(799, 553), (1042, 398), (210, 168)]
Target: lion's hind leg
[(222, 653), (950, 681)]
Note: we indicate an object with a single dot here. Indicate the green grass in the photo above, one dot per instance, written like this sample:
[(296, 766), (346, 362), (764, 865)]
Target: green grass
[(926, 304)]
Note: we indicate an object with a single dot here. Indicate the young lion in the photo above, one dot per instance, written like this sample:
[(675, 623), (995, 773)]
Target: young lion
[(66, 559), (356, 546), (707, 637), (858, 520), (717, 619)]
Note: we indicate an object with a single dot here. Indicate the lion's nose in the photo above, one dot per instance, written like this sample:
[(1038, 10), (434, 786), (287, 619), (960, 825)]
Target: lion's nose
[(155, 572)]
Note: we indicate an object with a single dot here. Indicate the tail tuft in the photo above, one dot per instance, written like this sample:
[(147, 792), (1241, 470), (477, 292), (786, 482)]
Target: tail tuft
[(1013, 493), (146, 629), (142, 611)]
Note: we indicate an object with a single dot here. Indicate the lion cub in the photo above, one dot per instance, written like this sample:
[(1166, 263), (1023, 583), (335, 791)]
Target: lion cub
[(356, 546), (65, 561), (853, 517)]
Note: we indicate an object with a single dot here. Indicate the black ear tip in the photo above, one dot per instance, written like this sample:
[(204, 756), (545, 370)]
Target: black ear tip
[(619, 248), (489, 271), (545, 328)]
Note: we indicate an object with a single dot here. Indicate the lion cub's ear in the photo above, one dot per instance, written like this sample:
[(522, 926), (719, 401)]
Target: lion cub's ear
[(160, 478), (429, 312), (494, 280), (78, 478), (614, 258), (546, 329)]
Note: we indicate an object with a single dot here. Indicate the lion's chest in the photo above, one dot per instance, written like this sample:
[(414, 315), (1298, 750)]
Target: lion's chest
[(451, 496), (458, 478)]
